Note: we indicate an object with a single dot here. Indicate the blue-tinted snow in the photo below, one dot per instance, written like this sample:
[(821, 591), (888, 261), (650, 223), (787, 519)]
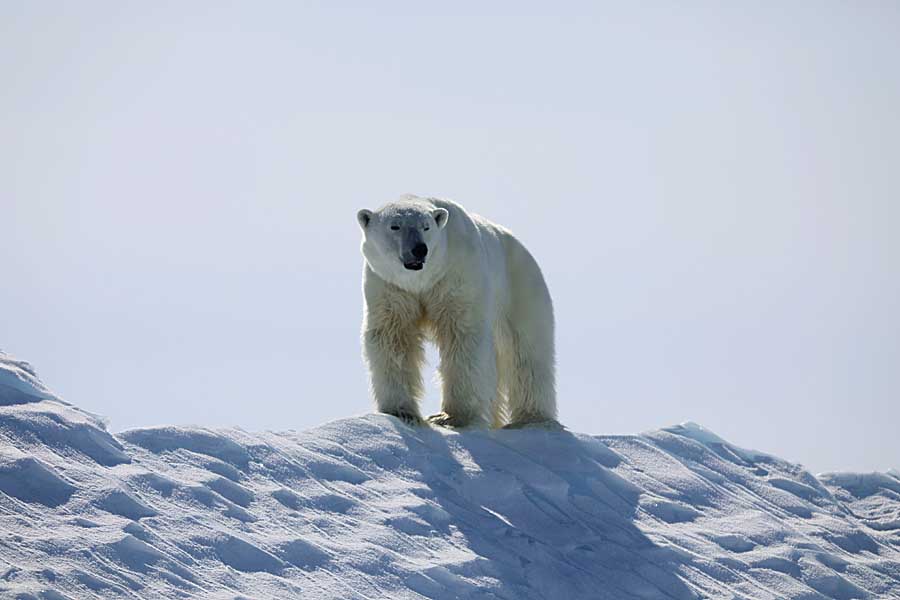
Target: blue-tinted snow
[(367, 507)]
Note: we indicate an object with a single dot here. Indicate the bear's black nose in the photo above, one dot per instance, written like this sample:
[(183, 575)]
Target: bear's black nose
[(420, 250)]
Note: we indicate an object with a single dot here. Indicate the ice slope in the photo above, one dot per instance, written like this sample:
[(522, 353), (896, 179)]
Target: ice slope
[(366, 507)]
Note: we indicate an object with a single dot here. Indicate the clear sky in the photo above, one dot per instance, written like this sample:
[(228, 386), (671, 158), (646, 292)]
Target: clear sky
[(712, 191)]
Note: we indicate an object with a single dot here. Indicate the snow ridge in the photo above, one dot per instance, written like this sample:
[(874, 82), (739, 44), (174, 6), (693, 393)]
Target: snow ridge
[(367, 507)]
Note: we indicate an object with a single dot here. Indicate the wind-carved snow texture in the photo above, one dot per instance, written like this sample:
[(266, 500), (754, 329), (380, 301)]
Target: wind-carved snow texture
[(369, 508)]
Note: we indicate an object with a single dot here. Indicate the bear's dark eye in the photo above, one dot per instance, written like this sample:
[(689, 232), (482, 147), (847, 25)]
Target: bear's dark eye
[(427, 228), (395, 227)]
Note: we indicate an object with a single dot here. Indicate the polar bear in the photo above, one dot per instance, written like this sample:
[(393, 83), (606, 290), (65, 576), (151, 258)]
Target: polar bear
[(435, 272)]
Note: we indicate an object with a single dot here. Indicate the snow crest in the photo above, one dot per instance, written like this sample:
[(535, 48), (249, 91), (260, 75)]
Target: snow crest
[(367, 507), (19, 383)]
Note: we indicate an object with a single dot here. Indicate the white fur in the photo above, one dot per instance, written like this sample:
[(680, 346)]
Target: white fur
[(480, 297)]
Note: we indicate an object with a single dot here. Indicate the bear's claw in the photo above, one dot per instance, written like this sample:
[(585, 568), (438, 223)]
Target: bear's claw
[(550, 424), (410, 418), (442, 419)]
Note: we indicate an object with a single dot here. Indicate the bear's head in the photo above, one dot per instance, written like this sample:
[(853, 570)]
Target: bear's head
[(402, 238)]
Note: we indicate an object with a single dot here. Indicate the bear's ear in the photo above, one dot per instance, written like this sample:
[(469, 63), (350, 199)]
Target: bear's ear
[(364, 216), (440, 217)]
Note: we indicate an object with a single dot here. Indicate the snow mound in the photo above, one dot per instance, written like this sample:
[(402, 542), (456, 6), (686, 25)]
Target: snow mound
[(33, 419), (367, 507), (30, 480)]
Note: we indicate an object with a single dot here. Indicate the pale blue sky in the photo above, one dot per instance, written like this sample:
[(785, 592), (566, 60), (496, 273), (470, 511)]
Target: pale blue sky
[(712, 190)]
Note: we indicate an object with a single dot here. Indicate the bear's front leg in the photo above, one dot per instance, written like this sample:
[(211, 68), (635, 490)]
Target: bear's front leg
[(395, 356), (469, 376), (393, 348)]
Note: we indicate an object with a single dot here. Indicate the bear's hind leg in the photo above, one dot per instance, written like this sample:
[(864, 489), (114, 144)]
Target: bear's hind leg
[(532, 385)]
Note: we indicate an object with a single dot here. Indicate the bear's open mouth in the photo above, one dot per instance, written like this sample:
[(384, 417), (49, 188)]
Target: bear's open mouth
[(414, 265)]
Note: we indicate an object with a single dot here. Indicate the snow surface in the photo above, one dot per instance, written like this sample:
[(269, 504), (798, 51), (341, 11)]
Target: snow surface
[(367, 507)]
